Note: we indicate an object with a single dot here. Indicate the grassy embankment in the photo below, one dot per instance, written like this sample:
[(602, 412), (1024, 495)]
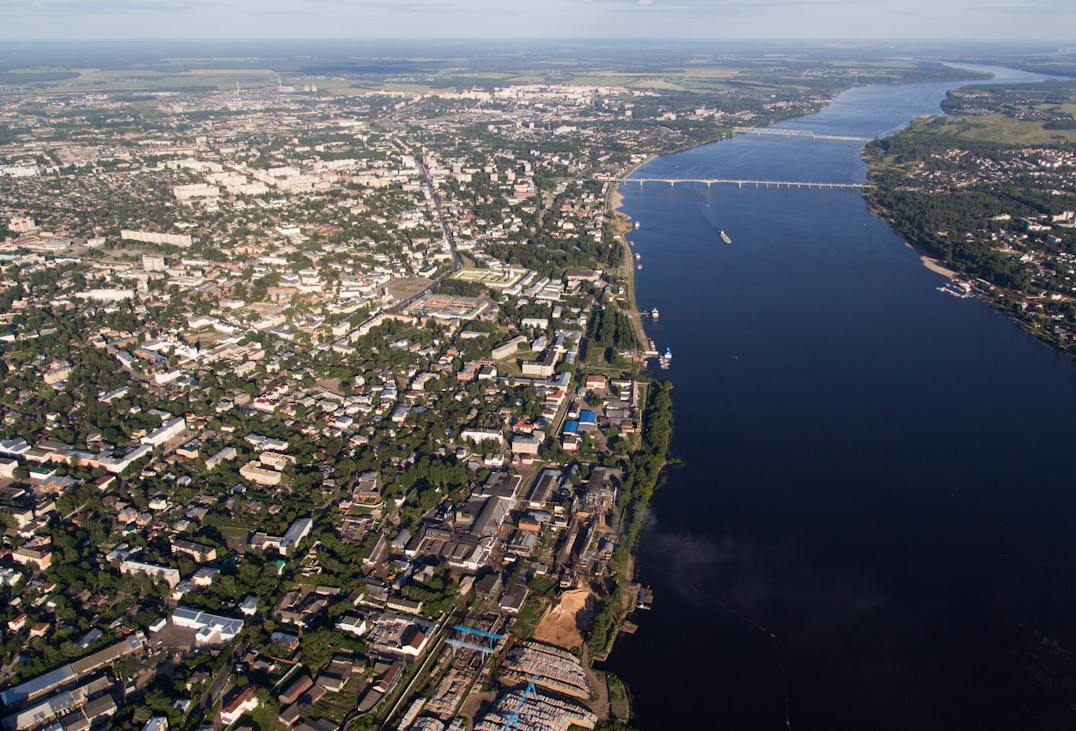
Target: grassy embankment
[(639, 484)]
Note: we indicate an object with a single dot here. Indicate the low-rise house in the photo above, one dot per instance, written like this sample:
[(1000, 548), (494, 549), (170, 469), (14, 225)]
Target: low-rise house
[(352, 623), (166, 574), (39, 556), (242, 702), (201, 553), (259, 474)]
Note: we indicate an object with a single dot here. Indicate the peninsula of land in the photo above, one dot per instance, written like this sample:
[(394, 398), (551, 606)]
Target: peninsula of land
[(987, 193)]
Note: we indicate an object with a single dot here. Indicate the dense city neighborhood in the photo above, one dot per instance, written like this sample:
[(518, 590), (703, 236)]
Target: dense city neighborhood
[(326, 411), (325, 406)]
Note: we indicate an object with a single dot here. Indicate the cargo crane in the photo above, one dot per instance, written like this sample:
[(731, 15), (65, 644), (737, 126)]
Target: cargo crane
[(512, 722), (491, 638)]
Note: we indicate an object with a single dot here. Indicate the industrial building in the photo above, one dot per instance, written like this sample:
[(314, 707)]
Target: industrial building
[(211, 629)]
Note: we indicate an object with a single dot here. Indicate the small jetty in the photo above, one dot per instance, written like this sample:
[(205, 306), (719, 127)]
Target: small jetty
[(963, 290), (645, 598)]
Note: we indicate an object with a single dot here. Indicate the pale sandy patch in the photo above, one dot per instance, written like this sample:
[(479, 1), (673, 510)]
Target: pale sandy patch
[(617, 199), (935, 266), (560, 624)]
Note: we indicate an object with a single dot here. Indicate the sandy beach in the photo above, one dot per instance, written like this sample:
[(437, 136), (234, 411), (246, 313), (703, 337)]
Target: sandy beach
[(621, 220), (935, 266), (616, 200)]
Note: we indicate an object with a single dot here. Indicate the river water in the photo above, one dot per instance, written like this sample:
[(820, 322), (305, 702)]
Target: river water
[(877, 504)]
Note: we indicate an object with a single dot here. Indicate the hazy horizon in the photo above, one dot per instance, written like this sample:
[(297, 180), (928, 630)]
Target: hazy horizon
[(913, 20)]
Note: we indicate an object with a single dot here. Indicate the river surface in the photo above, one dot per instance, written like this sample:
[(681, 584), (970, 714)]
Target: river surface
[(877, 509)]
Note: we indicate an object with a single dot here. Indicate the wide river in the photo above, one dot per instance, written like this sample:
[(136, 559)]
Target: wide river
[(875, 523)]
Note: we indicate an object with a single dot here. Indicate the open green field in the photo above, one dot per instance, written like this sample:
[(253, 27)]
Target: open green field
[(699, 72), (699, 78), (98, 80), (1003, 129), (704, 85), (1062, 108), (408, 88)]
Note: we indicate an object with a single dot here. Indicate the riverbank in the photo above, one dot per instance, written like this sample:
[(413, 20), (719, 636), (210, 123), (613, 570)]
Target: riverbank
[(621, 220), (640, 481), (1017, 267), (620, 224), (935, 266), (615, 201), (831, 399), (617, 605)]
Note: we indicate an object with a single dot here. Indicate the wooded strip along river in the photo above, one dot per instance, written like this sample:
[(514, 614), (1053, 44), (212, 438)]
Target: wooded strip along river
[(877, 474)]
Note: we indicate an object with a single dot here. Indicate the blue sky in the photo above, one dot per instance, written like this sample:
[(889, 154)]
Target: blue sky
[(138, 19)]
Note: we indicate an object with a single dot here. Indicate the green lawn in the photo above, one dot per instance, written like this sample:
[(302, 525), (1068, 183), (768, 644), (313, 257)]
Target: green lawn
[(1004, 129), (530, 614)]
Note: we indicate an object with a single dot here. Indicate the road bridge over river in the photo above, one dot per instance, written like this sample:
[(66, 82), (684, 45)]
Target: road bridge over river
[(749, 182), (778, 132)]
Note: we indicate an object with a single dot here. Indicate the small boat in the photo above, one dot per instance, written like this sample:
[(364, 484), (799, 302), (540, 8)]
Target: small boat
[(725, 238), (646, 596), (654, 313)]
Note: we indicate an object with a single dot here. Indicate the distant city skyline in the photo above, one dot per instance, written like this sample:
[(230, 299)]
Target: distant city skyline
[(207, 19)]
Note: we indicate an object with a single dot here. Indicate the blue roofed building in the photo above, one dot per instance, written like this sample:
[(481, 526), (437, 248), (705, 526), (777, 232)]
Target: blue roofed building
[(588, 420)]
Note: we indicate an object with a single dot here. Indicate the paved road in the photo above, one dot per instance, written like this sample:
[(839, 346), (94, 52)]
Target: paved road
[(446, 230)]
